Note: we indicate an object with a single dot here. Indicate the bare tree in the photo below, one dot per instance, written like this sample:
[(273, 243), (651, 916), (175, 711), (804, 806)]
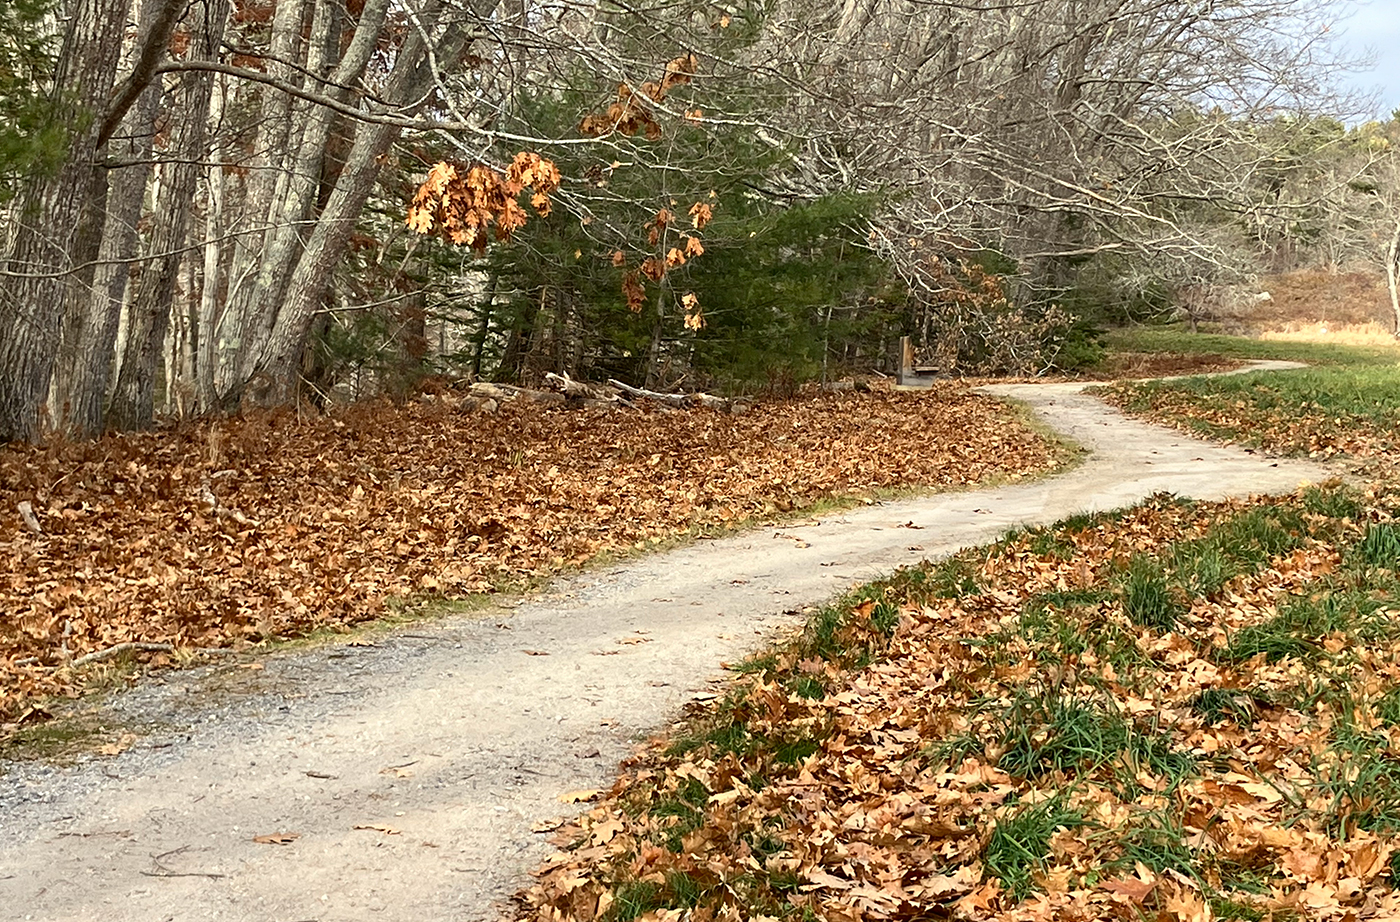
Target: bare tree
[(51, 255)]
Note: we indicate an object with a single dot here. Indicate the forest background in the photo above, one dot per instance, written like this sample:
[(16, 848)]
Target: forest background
[(205, 201)]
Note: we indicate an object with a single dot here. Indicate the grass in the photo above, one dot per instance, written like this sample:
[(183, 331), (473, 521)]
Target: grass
[(1303, 623), (1180, 340), (1020, 844), (1380, 547), (1346, 404), (1156, 840), (1362, 778), (1147, 599), (1044, 731), (1217, 705), (59, 741)]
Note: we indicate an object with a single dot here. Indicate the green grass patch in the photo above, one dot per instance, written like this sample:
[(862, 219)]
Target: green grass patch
[(1333, 500), (1362, 776), (635, 899), (1217, 705), (1043, 731), (1380, 546), (1237, 545), (1291, 412), (1258, 534), (1148, 600), (953, 578), (1156, 840), (1020, 844), (1387, 706)]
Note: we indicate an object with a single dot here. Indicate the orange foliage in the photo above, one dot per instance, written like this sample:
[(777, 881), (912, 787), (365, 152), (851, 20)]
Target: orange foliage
[(629, 115), (460, 202)]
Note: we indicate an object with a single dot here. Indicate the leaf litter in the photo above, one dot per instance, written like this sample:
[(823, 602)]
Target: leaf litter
[(228, 533), (1017, 733)]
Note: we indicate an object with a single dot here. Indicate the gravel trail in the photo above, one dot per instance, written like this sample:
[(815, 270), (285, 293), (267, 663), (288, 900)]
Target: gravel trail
[(446, 742)]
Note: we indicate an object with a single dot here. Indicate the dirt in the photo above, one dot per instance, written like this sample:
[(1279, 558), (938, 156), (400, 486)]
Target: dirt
[(447, 744)]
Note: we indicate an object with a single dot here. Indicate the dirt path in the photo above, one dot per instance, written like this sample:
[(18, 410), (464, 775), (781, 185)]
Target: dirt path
[(460, 736)]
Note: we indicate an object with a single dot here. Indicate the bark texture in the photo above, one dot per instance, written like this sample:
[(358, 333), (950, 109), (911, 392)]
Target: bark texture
[(42, 257), (133, 402)]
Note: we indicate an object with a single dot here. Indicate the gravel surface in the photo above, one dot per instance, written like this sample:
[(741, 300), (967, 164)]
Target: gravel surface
[(446, 742)]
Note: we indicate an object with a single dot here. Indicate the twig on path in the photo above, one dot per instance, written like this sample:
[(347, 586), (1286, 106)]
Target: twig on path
[(119, 649), (162, 871)]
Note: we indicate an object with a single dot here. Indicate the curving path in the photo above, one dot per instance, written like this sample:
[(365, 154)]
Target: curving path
[(450, 740)]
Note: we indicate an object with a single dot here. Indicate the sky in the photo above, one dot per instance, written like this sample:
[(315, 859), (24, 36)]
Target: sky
[(1375, 27)]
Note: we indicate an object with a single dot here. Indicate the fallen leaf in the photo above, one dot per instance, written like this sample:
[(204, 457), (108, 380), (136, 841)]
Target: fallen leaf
[(117, 747), (580, 797), (277, 838), (1133, 888)]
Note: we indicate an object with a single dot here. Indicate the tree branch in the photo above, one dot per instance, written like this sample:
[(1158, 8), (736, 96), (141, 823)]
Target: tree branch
[(144, 70)]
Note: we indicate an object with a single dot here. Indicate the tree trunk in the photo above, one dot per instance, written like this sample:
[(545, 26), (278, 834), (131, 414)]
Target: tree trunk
[(89, 336), (213, 291), (263, 188), (270, 371), (133, 402), (40, 260), (1392, 274), (483, 330), (290, 212)]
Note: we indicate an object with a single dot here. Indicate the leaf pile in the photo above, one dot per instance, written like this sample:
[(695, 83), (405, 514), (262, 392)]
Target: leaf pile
[(1182, 712), (225, 532)]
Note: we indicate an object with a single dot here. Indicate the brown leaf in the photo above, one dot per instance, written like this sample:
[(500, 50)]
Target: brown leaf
[(1133, 888), (580, 797)]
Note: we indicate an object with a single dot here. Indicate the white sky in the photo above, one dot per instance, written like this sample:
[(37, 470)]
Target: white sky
[(1375, 27)]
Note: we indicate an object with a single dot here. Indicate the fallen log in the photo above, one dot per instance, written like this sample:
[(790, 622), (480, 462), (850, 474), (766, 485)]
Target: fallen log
[(680, 401), (503, 392), (581, 390)]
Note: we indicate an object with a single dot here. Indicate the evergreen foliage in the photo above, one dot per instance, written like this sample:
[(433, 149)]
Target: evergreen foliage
[(30, 138)]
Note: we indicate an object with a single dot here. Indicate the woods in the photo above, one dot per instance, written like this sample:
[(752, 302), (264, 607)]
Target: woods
[(207, 198)]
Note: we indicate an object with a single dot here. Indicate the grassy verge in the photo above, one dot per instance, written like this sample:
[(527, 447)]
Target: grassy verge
[(1181, 711), (1347, 404)]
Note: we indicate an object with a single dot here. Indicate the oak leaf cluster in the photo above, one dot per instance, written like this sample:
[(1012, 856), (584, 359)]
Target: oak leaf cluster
[(461, 202)]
